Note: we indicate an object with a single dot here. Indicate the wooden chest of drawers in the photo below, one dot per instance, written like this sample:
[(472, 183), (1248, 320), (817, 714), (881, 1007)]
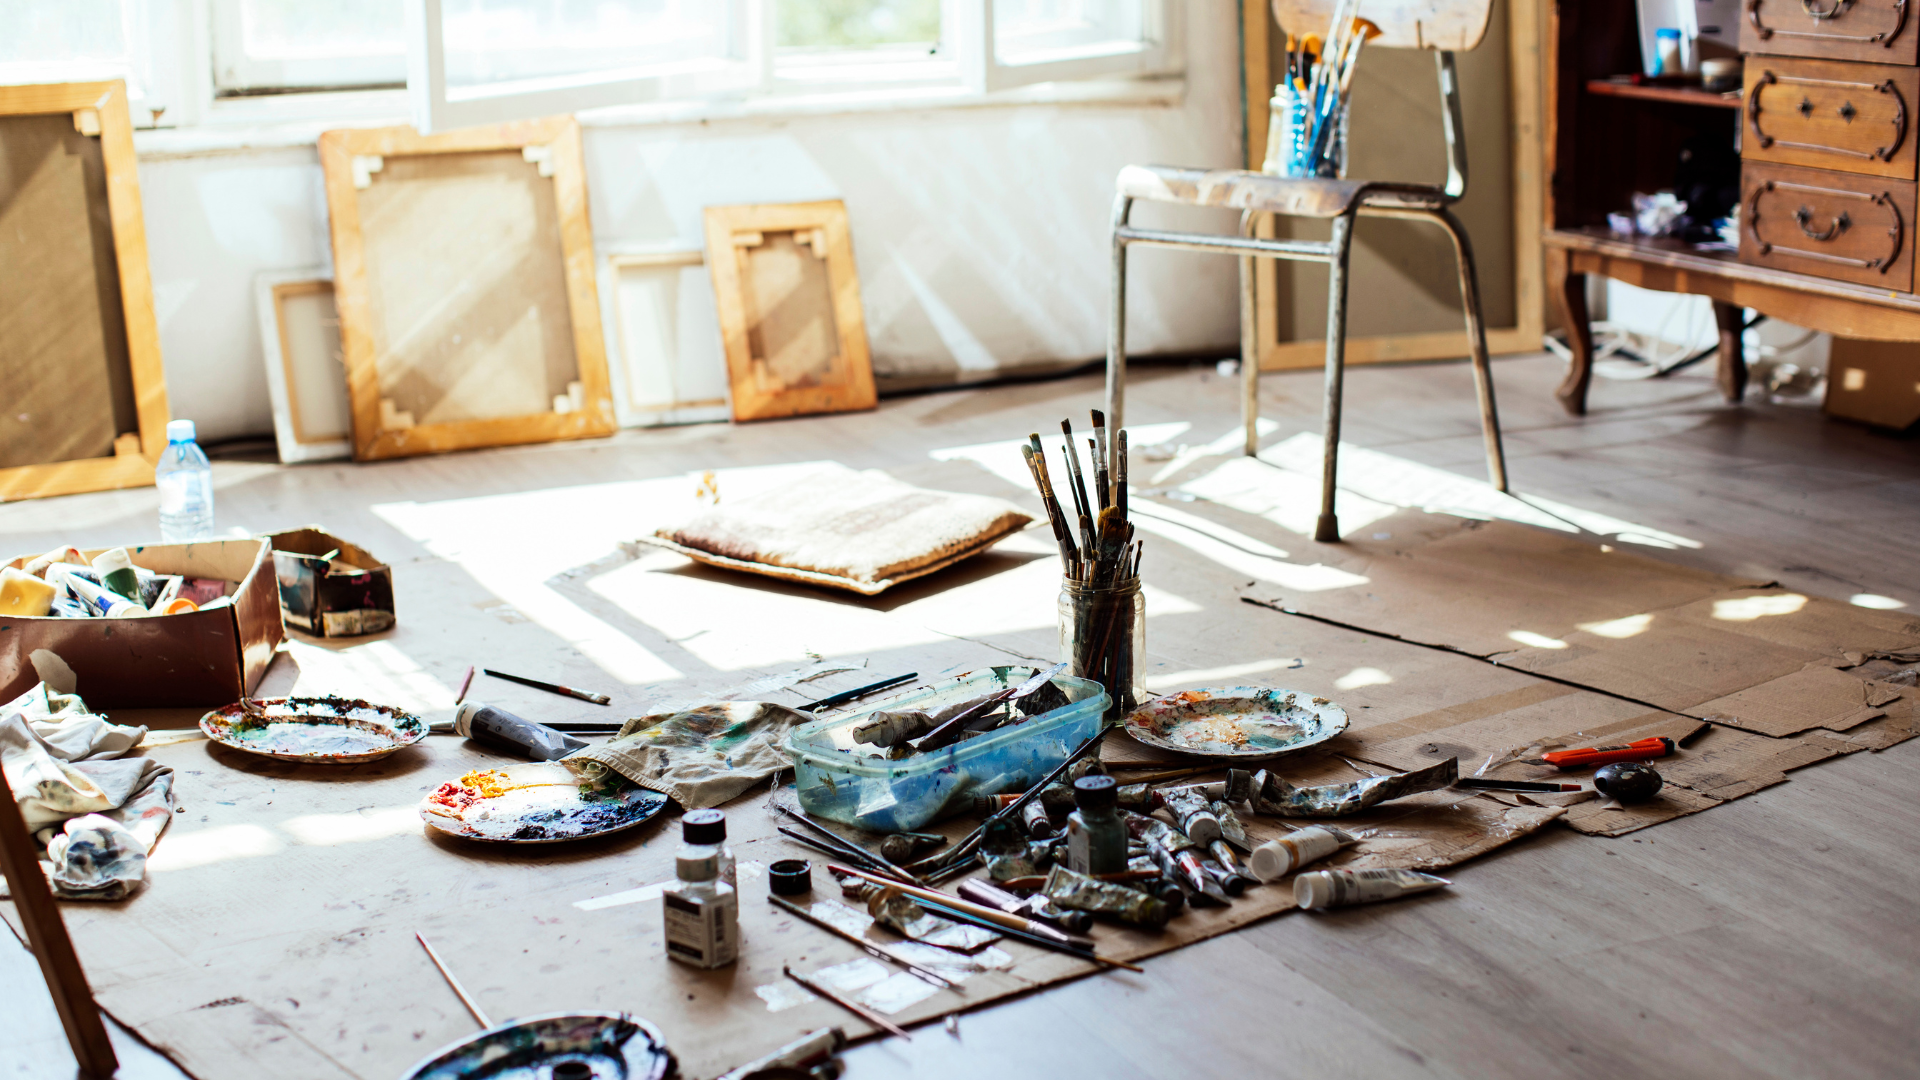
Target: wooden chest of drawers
[(1828, 140)]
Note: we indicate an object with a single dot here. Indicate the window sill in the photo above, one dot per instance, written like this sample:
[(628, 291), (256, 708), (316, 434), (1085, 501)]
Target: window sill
[(296, 120)]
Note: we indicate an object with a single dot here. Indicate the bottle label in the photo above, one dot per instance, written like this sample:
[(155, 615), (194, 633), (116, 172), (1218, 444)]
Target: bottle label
[(1077, 853), (703, 932)]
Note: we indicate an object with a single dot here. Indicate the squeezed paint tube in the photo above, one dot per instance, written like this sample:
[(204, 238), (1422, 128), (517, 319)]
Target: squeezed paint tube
[(1236, 788), (1038, 824), (799, 1055), (1033, 907), (38, 567), (1082, 893), (1283, 855), (890, 729), (1224, 854), (116, 572), (1318, 889), (1230, 883), (97, 600), (1275, 796), (1168, 890), (1232, 830), (1172, 851), (1190, 809), (501, 730)]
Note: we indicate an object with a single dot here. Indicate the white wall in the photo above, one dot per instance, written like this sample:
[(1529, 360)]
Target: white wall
[(980, 233)]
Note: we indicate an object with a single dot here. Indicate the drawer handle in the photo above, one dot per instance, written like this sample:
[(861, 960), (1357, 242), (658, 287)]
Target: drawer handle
[(1804, 215), (1884, 153), (1841, 222), (1839, 8)]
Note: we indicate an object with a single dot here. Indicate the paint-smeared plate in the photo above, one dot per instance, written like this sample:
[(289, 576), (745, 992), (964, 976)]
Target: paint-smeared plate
[(537, 802), (1236, 722), (316, 730), (614, 1047)]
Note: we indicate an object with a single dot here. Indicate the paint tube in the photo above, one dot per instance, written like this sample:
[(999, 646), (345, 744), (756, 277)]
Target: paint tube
[(1224, 854), (1232, 830), (1170, 891), (1038, 824), (1273, 795), (38, 567), (1082, 893), (1036, 906), (501, 730), (1141, 798), (1318, 889), (115, 568), (1236, 788), (1172, 851), (893, 729), (96, 600), (1230, 883), (1279, 857), (1190, 810)]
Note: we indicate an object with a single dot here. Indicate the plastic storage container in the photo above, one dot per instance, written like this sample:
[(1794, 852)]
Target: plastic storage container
[(841, 780)]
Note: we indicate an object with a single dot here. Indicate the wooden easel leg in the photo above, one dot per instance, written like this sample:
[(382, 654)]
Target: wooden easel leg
[(1569, 292), (1733, 356), (47, 936)]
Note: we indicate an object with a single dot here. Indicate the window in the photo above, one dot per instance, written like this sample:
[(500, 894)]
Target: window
[(275, 46), (73, 41)]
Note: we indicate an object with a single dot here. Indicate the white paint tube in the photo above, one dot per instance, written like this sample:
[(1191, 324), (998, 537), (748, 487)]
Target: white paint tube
[(1190, 809), (1283, 855), (1339, 888), (116, 572), (98, 601)]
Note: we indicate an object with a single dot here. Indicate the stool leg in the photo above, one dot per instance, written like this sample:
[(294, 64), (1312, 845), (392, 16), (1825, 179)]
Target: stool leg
[(1117, 329), (1327, 530), (1249, 345), (1477, 341)]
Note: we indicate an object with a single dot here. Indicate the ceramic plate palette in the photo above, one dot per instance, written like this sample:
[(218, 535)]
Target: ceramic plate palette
[(536, 803), (614, 1047), (315, 730), (1237, 722)]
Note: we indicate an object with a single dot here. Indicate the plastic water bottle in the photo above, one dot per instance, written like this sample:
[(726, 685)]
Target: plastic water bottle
[(185, 479)]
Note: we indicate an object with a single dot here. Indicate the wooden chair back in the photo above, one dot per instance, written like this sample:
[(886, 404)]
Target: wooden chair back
[(1445, 25)]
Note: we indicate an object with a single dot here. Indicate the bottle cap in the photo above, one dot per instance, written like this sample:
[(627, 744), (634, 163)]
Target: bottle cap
[(1096, 793), (180, 431), (697, 866), (703, 827), (1313, 891), (463, 717)]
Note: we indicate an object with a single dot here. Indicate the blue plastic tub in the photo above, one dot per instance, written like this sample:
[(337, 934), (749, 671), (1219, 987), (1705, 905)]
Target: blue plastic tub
[(841, 780)]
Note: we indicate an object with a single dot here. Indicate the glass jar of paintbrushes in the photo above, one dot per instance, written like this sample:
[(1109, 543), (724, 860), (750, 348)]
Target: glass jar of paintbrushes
[(1103, 626), (1310, 111)]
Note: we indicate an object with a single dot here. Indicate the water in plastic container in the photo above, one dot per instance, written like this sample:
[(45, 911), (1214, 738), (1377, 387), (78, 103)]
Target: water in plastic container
[(185, 479)]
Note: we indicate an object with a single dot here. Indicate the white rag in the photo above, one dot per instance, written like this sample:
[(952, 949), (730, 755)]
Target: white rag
[(97, 811)]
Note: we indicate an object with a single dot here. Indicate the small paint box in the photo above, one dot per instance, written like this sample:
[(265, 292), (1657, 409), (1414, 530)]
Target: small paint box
[(328, 587)]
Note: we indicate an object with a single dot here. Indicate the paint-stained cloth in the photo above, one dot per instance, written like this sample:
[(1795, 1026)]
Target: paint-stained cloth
[(699, 757), (95, 810)]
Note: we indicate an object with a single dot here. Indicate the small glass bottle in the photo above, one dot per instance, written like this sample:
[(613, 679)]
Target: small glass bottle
[(1096, 837), (1103, 633), (708, 828), (702, 913)]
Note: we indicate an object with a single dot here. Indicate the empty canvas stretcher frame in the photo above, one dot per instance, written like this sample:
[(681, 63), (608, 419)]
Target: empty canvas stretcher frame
[(463, 275), (300, 340), (86, 396), (788, 297)]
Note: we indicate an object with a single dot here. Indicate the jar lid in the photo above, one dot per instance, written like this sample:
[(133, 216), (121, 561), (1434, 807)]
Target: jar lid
[(1096, 793), (703, 827)]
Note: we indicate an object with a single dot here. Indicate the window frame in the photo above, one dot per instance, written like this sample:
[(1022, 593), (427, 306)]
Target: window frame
[(226, 44)]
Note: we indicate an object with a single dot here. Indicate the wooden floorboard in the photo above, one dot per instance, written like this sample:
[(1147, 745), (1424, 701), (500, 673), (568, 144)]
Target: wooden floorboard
[(1770, 937)]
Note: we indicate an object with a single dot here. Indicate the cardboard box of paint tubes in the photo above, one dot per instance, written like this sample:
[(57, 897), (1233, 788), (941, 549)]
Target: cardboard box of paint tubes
[(328, 587), (212, 655)]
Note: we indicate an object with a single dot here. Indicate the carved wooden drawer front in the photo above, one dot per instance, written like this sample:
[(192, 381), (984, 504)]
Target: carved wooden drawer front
[(1831, 225), (1852, 117), (1875, 31)]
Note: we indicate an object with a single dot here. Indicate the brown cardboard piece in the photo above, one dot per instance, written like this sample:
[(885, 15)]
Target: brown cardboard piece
[(204, 658), (331, 600), (1816, 696)]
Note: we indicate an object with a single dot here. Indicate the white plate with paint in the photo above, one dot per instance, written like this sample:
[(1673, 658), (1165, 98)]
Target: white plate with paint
[(1236, 722), (539, 802), (314, 730)]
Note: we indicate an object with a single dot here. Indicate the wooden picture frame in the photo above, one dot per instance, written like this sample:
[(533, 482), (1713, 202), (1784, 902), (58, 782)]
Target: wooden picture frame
[(1524, 40), (674, 340), (96, 110), (464, 279), (787, 294), (306, 377)]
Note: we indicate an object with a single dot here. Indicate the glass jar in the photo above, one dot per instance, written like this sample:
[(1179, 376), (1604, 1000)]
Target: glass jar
[(1290, 151), (1103, 633)]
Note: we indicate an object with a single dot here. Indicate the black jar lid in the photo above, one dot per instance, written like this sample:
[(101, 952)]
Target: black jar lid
[(1096, 793), (790, 877), (703, 827)]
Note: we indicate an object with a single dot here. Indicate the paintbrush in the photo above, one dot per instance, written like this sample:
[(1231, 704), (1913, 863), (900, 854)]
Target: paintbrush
[(1014, 926), (860, 1011), (551, 688), (871, 948), (465, 682), (459, 991), (1080, 500), (831, 841), (952, 729), (971, 842), (1120, 479), (1061, 534), (845, 696)]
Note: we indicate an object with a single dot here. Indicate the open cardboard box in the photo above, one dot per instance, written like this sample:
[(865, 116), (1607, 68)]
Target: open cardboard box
[(348, 595), (212, 657)]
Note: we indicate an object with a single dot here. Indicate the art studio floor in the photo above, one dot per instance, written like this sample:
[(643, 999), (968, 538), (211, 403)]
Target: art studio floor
[(1770, 936)]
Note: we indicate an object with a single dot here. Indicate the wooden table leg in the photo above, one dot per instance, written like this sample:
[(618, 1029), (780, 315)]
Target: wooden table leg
[(47, 935), (1733, 356), (1569, 292)]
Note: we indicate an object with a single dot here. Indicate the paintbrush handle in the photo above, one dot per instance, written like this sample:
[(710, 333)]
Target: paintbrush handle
[(853, 1007)]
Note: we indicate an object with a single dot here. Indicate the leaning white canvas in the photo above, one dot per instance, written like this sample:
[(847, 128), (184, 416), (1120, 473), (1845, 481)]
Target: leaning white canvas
[(663, 338), (300, 340)]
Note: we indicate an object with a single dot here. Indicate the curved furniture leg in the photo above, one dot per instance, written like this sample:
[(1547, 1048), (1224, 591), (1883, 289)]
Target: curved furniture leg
[(1569, 292), (1249, 344), (1477, 341), (1733, 355), (1117, 329), (1327, 529)]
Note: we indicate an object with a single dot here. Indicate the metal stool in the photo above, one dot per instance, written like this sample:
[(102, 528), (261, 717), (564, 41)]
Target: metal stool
[(1339, 200)]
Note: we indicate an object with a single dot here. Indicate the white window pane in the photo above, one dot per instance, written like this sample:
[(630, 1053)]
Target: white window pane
[(1034, 31), (496, 41), (290, 29), (845, 24), (70, 39)]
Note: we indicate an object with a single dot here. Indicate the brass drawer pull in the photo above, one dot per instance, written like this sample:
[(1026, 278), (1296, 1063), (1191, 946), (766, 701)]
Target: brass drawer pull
[(1841, 223), (1884, 153), (1883, 38)]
